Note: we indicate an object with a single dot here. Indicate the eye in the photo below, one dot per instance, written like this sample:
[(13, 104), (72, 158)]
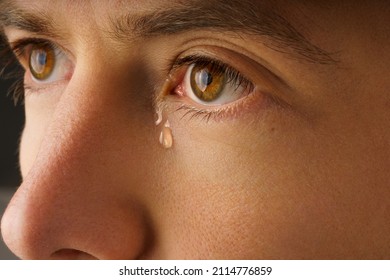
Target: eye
[(210, 83), (45, 61), (42, 61)]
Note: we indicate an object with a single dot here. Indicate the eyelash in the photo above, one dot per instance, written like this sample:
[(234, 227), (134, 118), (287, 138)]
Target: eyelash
[(10, 69), (19, 48)]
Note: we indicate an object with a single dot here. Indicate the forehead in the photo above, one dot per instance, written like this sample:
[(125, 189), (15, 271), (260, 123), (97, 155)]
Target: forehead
[(77, 5), (96, 8), (93, 8), (78, 11)]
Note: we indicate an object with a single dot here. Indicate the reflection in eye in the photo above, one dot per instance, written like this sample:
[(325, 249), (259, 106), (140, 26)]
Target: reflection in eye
[(210, 82)]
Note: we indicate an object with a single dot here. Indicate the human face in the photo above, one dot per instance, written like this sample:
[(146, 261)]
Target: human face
[(287, 159)]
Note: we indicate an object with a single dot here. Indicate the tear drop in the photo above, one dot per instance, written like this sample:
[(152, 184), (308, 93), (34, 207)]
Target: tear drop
[(159, 116), (166, 138)]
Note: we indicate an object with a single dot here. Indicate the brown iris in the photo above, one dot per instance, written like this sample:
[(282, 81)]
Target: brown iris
[(207, 82), (42, 59)]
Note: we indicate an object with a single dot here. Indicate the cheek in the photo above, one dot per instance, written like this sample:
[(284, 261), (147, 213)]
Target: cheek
[(265, 190), (211, 222), (220, 192)]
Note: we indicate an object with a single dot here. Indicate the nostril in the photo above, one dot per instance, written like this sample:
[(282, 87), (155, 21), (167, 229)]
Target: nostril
[(71, 254)]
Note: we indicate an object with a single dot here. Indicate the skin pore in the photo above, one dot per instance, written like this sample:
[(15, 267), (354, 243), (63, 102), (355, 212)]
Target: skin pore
[(292, 166)]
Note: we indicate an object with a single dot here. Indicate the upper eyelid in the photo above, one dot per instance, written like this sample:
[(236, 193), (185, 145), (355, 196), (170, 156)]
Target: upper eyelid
[(199, 59), (205, 60), (19, 46), (19, 49)]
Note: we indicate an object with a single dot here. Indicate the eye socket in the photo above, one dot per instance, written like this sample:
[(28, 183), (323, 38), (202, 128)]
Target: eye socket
[(42, 61)]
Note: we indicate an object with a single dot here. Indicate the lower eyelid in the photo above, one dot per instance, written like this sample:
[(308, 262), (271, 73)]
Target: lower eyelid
[(253, 103)]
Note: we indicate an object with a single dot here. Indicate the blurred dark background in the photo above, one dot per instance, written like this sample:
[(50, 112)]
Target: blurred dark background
[(11, 124)]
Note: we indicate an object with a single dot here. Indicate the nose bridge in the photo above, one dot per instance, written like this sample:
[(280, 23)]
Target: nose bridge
[(68, 199)]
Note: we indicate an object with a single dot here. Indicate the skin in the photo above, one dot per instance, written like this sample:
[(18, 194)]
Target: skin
[(303, 177)]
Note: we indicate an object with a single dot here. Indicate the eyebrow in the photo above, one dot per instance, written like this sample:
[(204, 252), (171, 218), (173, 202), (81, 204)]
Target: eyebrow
[(240, 16), (37, 22)]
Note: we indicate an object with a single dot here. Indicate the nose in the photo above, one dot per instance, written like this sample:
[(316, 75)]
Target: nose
[(75, 202)]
